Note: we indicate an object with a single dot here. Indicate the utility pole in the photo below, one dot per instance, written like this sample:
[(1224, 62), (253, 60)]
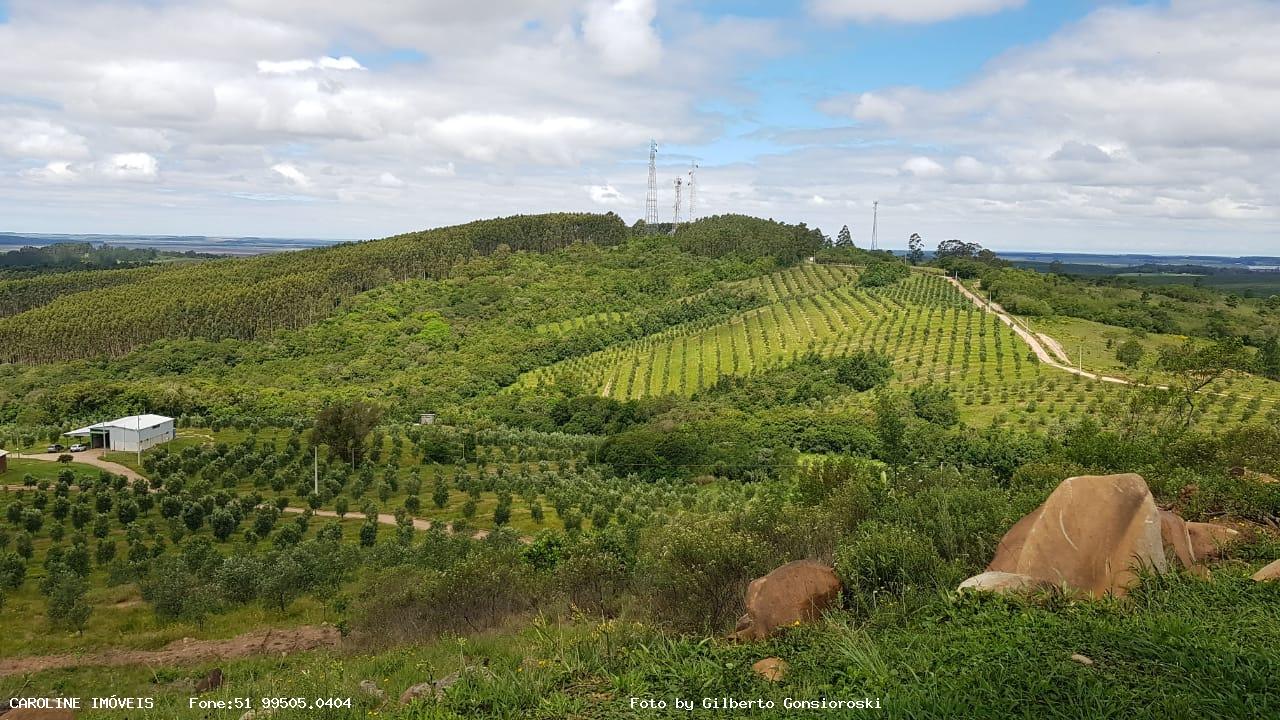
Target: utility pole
[(315, 468)]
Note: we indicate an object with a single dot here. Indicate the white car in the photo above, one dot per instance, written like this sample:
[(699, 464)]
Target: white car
[(79, 447)]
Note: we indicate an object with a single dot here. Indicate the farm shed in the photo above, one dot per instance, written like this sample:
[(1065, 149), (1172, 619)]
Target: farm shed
[(4, 461), (131, 434)]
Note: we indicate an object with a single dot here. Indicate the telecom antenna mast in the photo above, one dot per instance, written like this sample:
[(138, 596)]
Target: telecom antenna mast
[(675, 218), (875, 220), (651, 200), (693, 192)]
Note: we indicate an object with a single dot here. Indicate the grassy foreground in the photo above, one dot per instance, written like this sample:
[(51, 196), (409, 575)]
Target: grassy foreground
[(1178, 647)]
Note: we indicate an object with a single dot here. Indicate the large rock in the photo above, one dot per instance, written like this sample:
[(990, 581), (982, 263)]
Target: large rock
[(1003, 583), (1208, 540), (796, 592), (1270, 573), (1091, 535)]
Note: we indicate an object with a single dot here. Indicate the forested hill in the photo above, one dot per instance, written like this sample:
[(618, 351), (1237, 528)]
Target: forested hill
[(107, 314)]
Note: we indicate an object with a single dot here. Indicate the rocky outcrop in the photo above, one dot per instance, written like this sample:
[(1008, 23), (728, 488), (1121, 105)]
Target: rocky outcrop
[(796, 592), (1091, 535), (1270, 573), (1208, 541)]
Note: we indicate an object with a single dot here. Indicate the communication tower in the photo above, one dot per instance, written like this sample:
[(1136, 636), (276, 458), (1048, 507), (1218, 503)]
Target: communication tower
[(651, 200), (875, 229), (693, 191), (675, 217)]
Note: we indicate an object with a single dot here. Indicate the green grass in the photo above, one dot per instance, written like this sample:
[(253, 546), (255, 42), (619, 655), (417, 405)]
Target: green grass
[(1179, 647), (19, 468)]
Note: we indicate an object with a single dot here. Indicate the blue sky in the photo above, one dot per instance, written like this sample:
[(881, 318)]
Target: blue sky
[(1022, 124)]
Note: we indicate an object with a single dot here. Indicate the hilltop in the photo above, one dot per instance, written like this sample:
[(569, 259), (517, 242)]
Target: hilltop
[(629, 426)]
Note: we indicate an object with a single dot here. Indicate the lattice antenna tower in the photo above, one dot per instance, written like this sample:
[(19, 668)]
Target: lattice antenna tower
[(693, 191), (651, 200), (875, 225), (675, 216)]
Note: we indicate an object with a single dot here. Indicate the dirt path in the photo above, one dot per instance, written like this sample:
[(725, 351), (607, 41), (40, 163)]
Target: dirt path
[(88, 457), (1036, 341), (185, 651), (94, 457), (387, 519)]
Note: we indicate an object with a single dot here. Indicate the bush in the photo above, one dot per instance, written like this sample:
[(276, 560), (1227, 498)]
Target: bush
[(173, 591), (864, 370), (13, 569), (408, 603), (238, 578), (884, 558), (696, 573)]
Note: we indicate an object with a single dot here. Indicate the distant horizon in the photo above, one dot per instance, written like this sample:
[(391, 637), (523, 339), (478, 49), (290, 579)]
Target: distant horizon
[(321, 242)]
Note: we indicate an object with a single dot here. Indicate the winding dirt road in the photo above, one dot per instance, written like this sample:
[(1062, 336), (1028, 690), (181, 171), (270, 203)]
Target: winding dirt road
[(1047, 350)]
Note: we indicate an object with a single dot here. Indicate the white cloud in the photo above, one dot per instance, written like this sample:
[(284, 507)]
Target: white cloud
[(129, 166), (290, 67), (445, 170), (563, 139), (291, 173), (923, 167), (40, 139), (912, 11), (56, 171), (622, 33), (140, 91), (1132, 116), (817, 200), (389, 180), (605, 195)]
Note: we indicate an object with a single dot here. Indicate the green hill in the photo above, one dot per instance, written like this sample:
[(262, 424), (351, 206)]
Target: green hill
[(631, 426)]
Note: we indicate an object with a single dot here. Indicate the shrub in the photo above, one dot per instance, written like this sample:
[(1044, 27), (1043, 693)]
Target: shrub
[(173, 590), (238, 578), (885, 558), (409, 603), (13, 569), (696, 572)]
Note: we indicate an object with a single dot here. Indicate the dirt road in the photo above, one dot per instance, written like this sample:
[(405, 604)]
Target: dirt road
[(186, 651), (1039, 344)]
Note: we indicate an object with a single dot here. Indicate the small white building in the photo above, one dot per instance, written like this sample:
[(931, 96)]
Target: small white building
[(129, 434)]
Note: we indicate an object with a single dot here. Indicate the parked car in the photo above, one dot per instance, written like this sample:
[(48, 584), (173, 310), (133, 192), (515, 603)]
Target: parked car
[(79, 447), (56, 447)]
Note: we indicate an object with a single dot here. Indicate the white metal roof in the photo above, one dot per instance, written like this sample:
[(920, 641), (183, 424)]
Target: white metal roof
[(131, 422), (3, 453)]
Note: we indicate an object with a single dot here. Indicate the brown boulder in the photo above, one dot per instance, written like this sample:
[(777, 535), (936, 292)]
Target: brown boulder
[(796, 592), (1270, 573), (1091, 535), (771, 668), (1177, 539), (1208, 539)]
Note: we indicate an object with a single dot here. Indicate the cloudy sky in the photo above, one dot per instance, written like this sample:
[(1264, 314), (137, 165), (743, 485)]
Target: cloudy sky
[(1020, 124)]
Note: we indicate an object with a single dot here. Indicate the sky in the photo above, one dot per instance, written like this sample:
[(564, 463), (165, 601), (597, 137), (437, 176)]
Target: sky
[(1069, 125)]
